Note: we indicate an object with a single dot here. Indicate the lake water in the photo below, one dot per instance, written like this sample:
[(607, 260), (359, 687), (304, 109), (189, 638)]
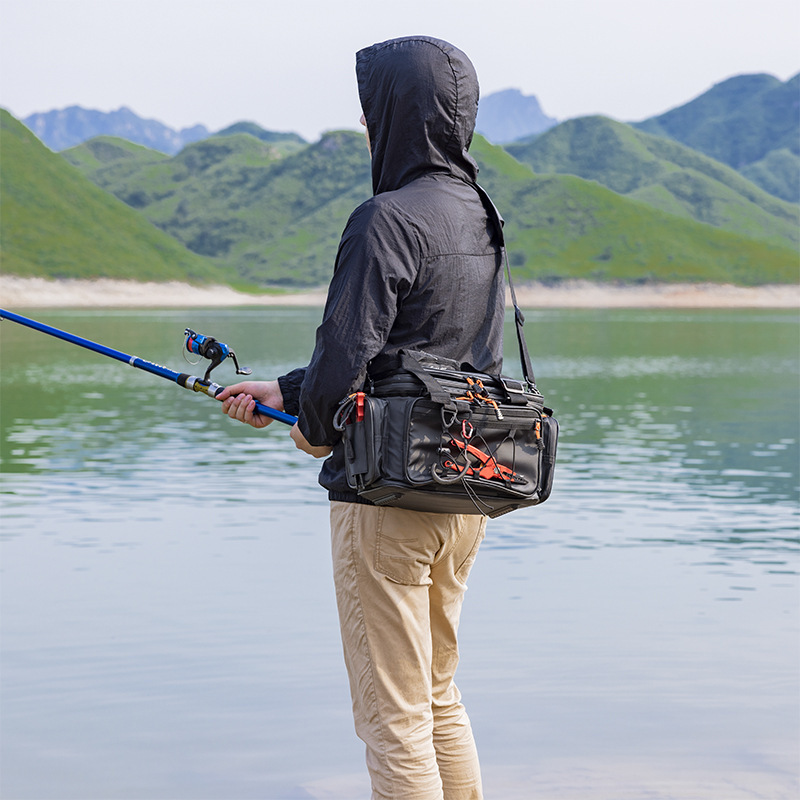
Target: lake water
[(168, 616)]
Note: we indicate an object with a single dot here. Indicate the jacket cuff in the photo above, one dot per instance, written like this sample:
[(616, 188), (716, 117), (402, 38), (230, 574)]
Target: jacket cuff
[(290, 389)]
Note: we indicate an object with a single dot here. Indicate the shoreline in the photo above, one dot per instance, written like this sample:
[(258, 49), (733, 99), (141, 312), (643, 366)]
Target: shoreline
[(19, 292)]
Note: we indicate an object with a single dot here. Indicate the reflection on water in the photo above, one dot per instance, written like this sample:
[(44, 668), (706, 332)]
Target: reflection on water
[(168, 622)]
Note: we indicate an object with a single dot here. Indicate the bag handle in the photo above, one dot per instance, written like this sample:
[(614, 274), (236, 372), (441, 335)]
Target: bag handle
[(519, 317), (410, 361)]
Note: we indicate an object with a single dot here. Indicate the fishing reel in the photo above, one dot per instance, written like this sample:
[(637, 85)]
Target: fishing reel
[(208, 347)]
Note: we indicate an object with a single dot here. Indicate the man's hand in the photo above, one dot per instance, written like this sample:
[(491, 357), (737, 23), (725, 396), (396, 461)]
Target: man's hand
[(301, 443), (239, 401)]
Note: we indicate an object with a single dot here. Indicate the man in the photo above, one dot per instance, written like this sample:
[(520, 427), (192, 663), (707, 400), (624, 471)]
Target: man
[(419, 267)]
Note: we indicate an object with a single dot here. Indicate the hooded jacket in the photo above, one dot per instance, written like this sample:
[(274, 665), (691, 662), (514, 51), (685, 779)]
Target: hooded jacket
[(419, 265)]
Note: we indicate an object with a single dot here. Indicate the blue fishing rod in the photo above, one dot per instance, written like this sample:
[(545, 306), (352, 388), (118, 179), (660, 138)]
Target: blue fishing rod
[(204, 346)]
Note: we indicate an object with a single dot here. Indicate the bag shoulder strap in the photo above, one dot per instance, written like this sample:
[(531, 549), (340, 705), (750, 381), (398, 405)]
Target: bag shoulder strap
[(519, 317)]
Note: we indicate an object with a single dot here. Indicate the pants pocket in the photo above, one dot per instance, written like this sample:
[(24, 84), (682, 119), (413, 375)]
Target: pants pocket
[(406, 545)]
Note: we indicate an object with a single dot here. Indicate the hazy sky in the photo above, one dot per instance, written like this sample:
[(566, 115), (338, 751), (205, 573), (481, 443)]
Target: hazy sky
[(289, 65)]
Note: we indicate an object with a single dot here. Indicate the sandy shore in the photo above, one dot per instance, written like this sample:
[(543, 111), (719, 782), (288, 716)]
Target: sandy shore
[(17, 293)]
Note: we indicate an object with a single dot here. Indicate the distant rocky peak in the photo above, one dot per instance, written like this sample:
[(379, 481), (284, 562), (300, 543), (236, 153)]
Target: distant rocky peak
[(63, 128), (509, 115)]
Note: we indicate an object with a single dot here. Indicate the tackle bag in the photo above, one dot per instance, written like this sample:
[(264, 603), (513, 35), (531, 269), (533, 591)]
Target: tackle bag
[(434, 437), (438, 436)]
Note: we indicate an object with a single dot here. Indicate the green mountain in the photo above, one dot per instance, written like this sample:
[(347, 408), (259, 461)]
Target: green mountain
[(561, 226), (662, 173), (284, 142), (260, 217), (741, 122), (276, 219), (57, 223), (777, 173)]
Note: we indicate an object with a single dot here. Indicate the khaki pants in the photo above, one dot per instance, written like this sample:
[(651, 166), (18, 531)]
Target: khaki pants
[(400, 581)]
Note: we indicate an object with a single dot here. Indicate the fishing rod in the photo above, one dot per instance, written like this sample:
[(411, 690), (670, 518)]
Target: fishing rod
[(197, 343)]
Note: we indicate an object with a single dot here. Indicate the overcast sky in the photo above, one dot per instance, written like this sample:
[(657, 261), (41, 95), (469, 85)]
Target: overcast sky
[(289, 65)]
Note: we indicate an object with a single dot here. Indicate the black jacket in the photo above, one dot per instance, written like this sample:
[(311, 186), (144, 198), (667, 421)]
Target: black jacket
[(419, 264)]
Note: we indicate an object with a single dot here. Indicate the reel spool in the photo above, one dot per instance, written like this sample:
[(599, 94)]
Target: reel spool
[(212, 349)]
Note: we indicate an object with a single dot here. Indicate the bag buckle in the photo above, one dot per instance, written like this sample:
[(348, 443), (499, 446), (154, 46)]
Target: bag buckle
[(513, 386)]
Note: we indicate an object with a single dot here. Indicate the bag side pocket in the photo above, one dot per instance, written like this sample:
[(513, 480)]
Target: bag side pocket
[(550, 439), (363, 444)]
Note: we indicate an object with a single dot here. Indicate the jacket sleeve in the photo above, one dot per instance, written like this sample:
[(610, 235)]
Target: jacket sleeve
[(376, 265)]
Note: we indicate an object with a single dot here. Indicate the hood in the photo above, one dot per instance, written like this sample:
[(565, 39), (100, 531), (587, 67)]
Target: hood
[(419, 96)]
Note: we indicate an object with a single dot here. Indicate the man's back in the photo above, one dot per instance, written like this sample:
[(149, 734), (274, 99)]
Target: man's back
[(437, 254)]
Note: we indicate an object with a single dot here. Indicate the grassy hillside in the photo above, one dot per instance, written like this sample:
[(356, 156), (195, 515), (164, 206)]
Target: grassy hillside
[(275, 218), (285, 142), (269, 218), (777, 173), (663, 173), (104, 150), (561, 226), (57, 223), (740, 122)]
